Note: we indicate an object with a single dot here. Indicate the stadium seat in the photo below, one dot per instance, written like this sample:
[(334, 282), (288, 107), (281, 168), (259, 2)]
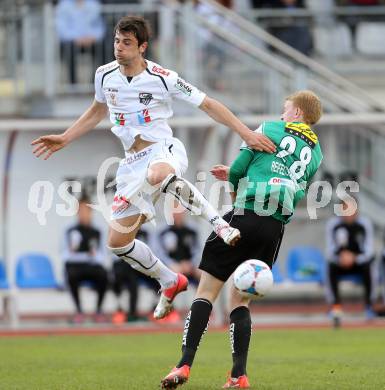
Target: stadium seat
[(333, 41), (305, 264), (278, 278), (34, 270), (320, 7), (3, 277), (370, 37)]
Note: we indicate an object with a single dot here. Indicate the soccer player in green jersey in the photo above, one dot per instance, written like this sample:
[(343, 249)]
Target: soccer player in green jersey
[(267, 188)]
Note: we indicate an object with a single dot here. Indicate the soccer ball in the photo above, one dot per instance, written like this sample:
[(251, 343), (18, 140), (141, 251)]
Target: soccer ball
[(253, 279)]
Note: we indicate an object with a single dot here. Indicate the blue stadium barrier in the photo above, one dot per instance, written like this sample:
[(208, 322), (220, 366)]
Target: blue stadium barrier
[(3, 277), (305, 264), (278, 278), (34, 270)]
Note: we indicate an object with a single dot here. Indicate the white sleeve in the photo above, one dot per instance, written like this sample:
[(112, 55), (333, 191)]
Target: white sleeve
[(182, 90), (258, 130), (99, 93)]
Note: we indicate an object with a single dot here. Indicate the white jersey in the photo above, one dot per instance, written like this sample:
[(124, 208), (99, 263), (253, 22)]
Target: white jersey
[(141, 105)]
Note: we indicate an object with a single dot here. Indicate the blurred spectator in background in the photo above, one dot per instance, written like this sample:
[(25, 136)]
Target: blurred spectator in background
[(80, 29), (111, 19), (84, 257), (364, 3), (294, 31), (178, 246), (124, 276), (354, 19), (350, 251), (382, 271), (214, 49)]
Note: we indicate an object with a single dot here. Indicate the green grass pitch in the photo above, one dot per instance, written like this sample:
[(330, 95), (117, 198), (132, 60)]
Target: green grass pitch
[(285, 360)]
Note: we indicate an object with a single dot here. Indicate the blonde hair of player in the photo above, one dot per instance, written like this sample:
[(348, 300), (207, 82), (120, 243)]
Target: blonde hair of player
[(310, 105)]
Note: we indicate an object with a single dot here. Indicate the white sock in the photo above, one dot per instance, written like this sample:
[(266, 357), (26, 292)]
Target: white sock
[(190, 198), (141, 258)]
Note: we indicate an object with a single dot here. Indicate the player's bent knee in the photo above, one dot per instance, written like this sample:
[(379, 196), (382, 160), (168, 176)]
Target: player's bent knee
[(158, 172), (119, 241), (157, 178)]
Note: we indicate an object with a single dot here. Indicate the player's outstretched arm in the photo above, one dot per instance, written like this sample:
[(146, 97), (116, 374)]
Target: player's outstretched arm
[(222, 114), (49, 144)]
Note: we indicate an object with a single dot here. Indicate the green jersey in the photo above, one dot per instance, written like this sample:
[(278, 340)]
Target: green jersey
[(272, 184)]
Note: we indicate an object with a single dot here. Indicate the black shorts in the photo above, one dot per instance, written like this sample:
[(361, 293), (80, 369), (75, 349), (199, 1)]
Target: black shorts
[(261, 238)]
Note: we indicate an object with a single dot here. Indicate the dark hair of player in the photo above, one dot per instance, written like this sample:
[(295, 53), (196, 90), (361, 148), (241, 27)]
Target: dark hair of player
[(136, 25)]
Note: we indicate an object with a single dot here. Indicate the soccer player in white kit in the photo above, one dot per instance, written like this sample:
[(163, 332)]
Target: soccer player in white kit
[(138, 95)]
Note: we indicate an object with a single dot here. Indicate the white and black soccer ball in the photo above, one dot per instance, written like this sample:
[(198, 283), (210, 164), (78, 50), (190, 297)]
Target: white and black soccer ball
[(253, 279)]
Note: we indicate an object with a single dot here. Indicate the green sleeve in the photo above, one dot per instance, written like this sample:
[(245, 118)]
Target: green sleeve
[(239, 167)]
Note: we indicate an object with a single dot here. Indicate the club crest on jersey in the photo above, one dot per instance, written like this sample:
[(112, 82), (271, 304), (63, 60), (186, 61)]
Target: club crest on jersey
[(144, 117), (112, 99), (111, 94), (145, 98)]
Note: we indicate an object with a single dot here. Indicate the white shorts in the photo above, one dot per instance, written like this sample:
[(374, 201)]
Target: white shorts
[(134, 195)]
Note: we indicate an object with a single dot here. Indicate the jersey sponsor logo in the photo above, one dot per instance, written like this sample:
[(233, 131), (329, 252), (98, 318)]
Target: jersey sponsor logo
[(144, 117), (120, 120), (281, 181), (186, 327), (138, 156), (104, 68), (231, 331), (302, 131), (279, 168), (158, 70), (120, 204), (183, 87), (145, 98)]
